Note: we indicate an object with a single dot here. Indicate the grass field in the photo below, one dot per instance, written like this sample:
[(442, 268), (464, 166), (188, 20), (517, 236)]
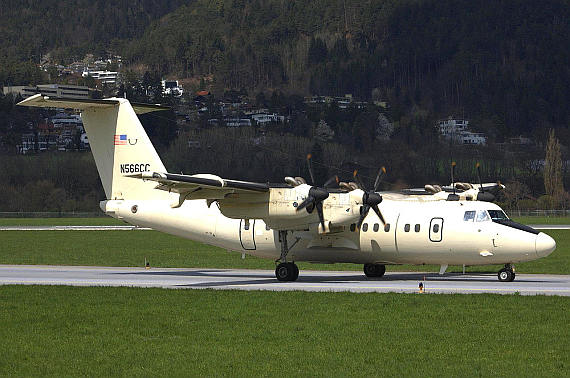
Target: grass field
[(99, 221), (70, 331), (130, 248)]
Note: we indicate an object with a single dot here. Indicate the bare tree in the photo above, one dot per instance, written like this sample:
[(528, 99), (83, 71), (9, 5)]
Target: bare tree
[(553, 171)]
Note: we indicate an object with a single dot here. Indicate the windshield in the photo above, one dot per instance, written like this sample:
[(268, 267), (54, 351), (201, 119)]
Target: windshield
[(497, 215), (482, 216)]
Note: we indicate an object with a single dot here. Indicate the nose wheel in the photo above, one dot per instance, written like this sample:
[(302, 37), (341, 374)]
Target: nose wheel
[(507, 274)]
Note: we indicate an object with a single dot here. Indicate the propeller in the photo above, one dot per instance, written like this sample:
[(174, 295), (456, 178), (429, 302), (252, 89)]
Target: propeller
[(370, 199), (316, 194), (483, 195)]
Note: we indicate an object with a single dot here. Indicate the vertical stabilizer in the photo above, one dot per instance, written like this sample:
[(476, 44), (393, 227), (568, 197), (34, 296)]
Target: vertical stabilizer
[(119, 144)]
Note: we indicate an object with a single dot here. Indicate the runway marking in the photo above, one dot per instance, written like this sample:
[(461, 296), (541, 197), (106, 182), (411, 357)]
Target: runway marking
[(74, 228)]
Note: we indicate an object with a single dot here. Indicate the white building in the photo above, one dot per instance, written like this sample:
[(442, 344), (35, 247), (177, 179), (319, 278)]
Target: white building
[(451, 126), (467, 137), (458, 130), (105, 77), (172, 88), (264, 118)]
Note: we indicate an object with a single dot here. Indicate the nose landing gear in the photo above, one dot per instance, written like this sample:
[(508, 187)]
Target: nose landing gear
[(507, 274)]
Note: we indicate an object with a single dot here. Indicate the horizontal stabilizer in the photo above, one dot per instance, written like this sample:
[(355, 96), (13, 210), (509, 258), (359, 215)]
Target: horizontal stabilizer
[(40, 101)]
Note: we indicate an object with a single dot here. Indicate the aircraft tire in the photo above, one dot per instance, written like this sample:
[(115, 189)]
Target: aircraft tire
[(287, 272), (374, 270), (506, 275)]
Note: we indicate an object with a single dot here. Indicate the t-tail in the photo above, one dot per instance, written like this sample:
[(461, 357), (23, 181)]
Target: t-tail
[(118, 142)]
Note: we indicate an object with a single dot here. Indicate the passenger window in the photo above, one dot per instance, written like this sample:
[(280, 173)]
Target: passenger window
[(435, 228), (417, 228), (482, 216), (387, 227), (407, 228), (365, 227), (376, 227), (469, 216), (353, 227)]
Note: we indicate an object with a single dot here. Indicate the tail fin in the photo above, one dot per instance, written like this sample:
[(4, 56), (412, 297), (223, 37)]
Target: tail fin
[(118, 141)]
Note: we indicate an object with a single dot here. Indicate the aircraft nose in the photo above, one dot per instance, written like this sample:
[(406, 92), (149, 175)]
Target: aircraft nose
[(544, 245)]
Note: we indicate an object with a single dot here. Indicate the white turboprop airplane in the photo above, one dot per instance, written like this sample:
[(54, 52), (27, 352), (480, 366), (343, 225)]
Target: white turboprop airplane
[(278, 221)]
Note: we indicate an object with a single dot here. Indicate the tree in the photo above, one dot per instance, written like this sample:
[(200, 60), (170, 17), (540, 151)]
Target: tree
[(553, 171)]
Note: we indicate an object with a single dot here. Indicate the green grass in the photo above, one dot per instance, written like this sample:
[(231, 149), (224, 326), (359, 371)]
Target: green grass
[(99, 221), (130, 248), (70, 331)]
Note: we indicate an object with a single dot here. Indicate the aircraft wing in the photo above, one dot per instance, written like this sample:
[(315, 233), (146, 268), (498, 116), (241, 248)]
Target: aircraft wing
[(205, 186)]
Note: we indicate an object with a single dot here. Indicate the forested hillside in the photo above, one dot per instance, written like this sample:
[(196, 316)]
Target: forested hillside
[(30, 29), (504, 65)]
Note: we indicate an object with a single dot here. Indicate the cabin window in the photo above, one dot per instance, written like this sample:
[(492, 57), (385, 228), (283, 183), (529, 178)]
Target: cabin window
[(435, 228), (482, 216), (376, 227), (407, 228), (469, 216), (417, 228), (387, 227), (353, 227), (365, 227)]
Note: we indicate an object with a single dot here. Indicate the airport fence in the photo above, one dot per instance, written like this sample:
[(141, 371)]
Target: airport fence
[(538, 213)]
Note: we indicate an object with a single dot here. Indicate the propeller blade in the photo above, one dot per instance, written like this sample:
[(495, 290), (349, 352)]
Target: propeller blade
[(319, 206), (379, 178), (330, 181), (309, 200), (363, 213), (377, 211), (310, 169), (358, 180)]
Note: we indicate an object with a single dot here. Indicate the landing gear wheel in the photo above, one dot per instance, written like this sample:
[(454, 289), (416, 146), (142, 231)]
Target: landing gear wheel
[(287, 272), (506, 275), (374, 270)]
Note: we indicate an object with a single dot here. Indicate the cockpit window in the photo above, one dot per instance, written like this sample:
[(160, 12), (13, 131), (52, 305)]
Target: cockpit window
[(497, 215), (482, 216), (469, 216)]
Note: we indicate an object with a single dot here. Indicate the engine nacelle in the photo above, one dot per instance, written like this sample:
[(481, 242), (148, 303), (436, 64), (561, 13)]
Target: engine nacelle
[(279, 211)]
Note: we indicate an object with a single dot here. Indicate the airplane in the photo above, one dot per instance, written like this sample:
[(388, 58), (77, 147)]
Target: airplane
[(454, 225)]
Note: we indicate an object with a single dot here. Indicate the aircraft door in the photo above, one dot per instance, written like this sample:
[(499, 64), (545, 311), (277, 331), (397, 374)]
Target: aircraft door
[(436, 230), (247, 234)]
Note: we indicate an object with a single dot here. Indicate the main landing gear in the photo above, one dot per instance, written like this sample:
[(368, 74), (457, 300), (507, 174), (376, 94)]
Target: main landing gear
[(374, 270), (285, 271), (507, 274)]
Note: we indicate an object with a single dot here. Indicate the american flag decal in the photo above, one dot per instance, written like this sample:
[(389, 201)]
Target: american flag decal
[(120, 140)]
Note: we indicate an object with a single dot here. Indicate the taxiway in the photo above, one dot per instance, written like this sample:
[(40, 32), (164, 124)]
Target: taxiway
[(192, 278)]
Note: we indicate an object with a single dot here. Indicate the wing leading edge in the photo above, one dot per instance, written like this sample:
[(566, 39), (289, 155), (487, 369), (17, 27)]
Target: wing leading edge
[(204, 186)]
